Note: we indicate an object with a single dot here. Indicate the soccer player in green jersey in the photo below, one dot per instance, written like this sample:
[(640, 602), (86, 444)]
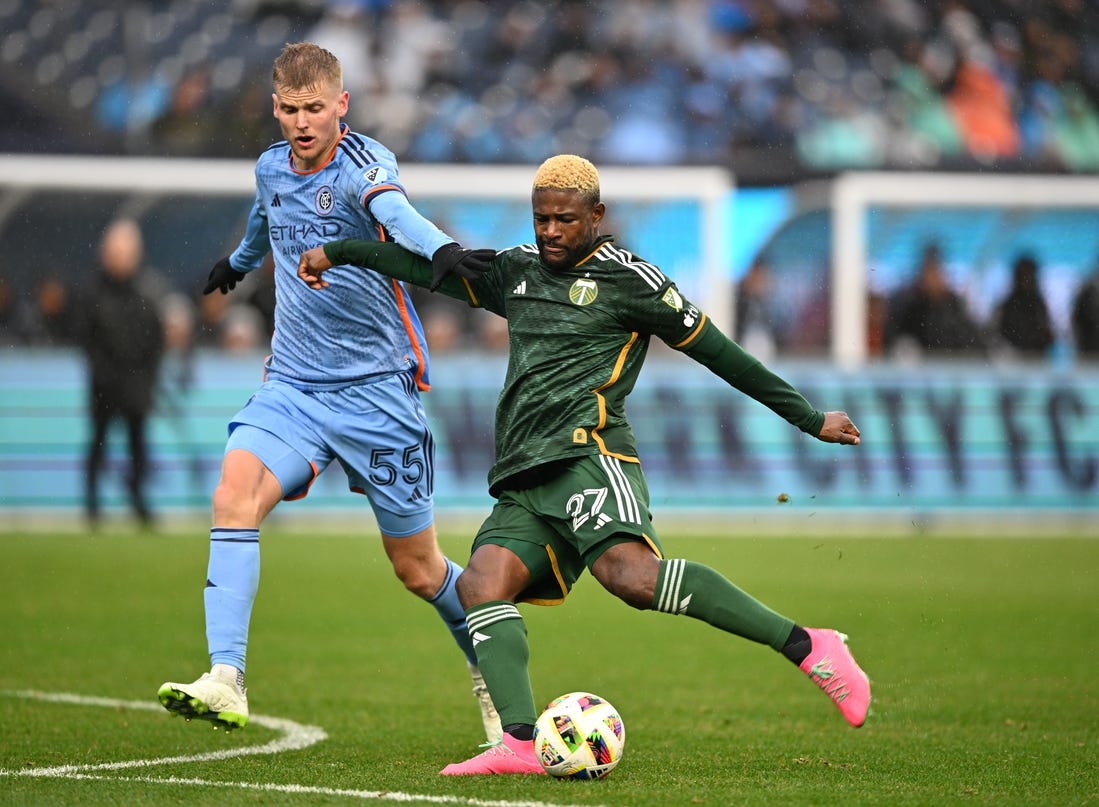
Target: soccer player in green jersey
[(568, 483)]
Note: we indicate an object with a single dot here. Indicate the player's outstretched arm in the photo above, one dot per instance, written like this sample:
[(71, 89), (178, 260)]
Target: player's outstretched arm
[(724, 357), (386, 257)]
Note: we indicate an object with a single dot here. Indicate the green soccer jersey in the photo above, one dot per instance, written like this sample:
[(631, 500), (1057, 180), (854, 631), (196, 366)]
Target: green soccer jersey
[(577, 341)]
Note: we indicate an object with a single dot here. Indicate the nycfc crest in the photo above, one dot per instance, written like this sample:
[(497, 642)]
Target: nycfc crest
[(324, 201), (584, 291)]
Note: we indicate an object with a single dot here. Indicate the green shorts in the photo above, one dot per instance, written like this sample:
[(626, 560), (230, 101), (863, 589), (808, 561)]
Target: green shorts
[(562, 526)]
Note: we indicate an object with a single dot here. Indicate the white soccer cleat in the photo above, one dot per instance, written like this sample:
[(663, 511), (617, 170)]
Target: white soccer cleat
[(494, 732), (214, 696)]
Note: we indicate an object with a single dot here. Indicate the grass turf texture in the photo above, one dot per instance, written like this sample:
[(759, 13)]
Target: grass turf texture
[(981, 652)]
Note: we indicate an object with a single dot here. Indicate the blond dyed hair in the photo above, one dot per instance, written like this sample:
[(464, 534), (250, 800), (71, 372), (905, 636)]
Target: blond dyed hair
[(304, 65), (568, 172)]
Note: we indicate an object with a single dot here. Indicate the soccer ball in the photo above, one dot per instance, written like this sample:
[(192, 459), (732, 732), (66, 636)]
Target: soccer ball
[(579, 736)]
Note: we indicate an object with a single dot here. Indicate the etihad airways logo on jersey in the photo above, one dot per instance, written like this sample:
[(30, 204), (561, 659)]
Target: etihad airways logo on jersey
[(584, 291), (326, 230)]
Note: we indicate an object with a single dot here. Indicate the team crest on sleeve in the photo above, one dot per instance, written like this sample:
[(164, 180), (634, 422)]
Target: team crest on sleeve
[(324, 201), (584, 291), (673, 299)]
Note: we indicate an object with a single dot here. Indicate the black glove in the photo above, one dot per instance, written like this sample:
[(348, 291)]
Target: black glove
[(468, 263), (223, 276)]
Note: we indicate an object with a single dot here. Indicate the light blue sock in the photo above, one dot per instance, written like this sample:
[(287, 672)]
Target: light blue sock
[(450, 609), (232, 580)]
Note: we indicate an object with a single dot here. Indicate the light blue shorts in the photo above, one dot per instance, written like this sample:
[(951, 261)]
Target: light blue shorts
[(377, 432)]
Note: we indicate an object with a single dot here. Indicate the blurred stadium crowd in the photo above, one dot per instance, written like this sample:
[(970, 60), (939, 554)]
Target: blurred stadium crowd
[(776, 90)]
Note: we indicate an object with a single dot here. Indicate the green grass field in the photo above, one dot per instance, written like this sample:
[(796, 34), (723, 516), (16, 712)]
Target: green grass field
[(982, 653)]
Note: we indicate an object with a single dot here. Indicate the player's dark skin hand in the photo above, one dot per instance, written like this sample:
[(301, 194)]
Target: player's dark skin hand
[(223, 277), (838, 428), (452, 259)]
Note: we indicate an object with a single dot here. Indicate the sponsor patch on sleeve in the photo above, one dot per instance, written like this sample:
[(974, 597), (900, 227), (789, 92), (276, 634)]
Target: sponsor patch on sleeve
[(375, 175)]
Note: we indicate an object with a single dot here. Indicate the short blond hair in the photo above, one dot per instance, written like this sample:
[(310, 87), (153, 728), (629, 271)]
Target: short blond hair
[(568, 172), (305, 65)]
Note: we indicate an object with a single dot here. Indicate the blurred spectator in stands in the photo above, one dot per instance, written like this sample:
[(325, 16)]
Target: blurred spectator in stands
[(250, 132), (845, 134), (877, 315), (443, 328), (927, 317), (977, 94), (243, 330), (1022, 318), (348, 28), (49, 320), (808, 329), (1085, 318), (191, 122), (984, 114), (1078, 130), (493, 333), (177, 386), (1059, 121), (643, 130), (178, 364), (9, 315), (129, 103), (212, 310), (123, 339), (925, 130), (754, 315), (481, 81)]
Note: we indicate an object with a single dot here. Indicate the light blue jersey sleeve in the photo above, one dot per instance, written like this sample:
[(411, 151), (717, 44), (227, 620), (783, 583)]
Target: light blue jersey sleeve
[(381, 193), (405, 224), (256, 244)]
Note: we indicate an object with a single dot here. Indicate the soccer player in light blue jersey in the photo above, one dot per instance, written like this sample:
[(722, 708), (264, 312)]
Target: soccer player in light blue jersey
[(342, 382)]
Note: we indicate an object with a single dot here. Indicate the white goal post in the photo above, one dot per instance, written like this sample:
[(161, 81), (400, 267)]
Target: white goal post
[(707, 276), (853, 195)]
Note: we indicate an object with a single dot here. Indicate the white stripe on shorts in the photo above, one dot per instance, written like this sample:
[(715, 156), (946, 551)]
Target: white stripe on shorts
[(628, 509)]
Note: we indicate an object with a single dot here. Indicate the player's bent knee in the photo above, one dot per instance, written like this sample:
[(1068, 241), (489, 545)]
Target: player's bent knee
[(416, 577), (233, 506), (629, 572), (475, 588)]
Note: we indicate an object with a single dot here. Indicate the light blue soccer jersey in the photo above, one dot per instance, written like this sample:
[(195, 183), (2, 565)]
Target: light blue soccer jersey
[(363, 325)]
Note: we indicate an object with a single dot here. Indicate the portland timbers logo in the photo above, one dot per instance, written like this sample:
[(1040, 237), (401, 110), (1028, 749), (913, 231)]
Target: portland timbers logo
[(584, 291)]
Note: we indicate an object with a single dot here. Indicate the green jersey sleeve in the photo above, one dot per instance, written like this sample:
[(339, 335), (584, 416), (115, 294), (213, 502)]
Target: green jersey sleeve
[(740, 369), (395, 261)]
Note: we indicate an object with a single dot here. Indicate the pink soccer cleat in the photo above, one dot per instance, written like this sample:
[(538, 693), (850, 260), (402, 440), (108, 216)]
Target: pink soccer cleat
[(507, 756), (833, 668)]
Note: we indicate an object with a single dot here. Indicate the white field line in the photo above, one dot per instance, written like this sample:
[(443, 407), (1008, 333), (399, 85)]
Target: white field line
[(295, 737)]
